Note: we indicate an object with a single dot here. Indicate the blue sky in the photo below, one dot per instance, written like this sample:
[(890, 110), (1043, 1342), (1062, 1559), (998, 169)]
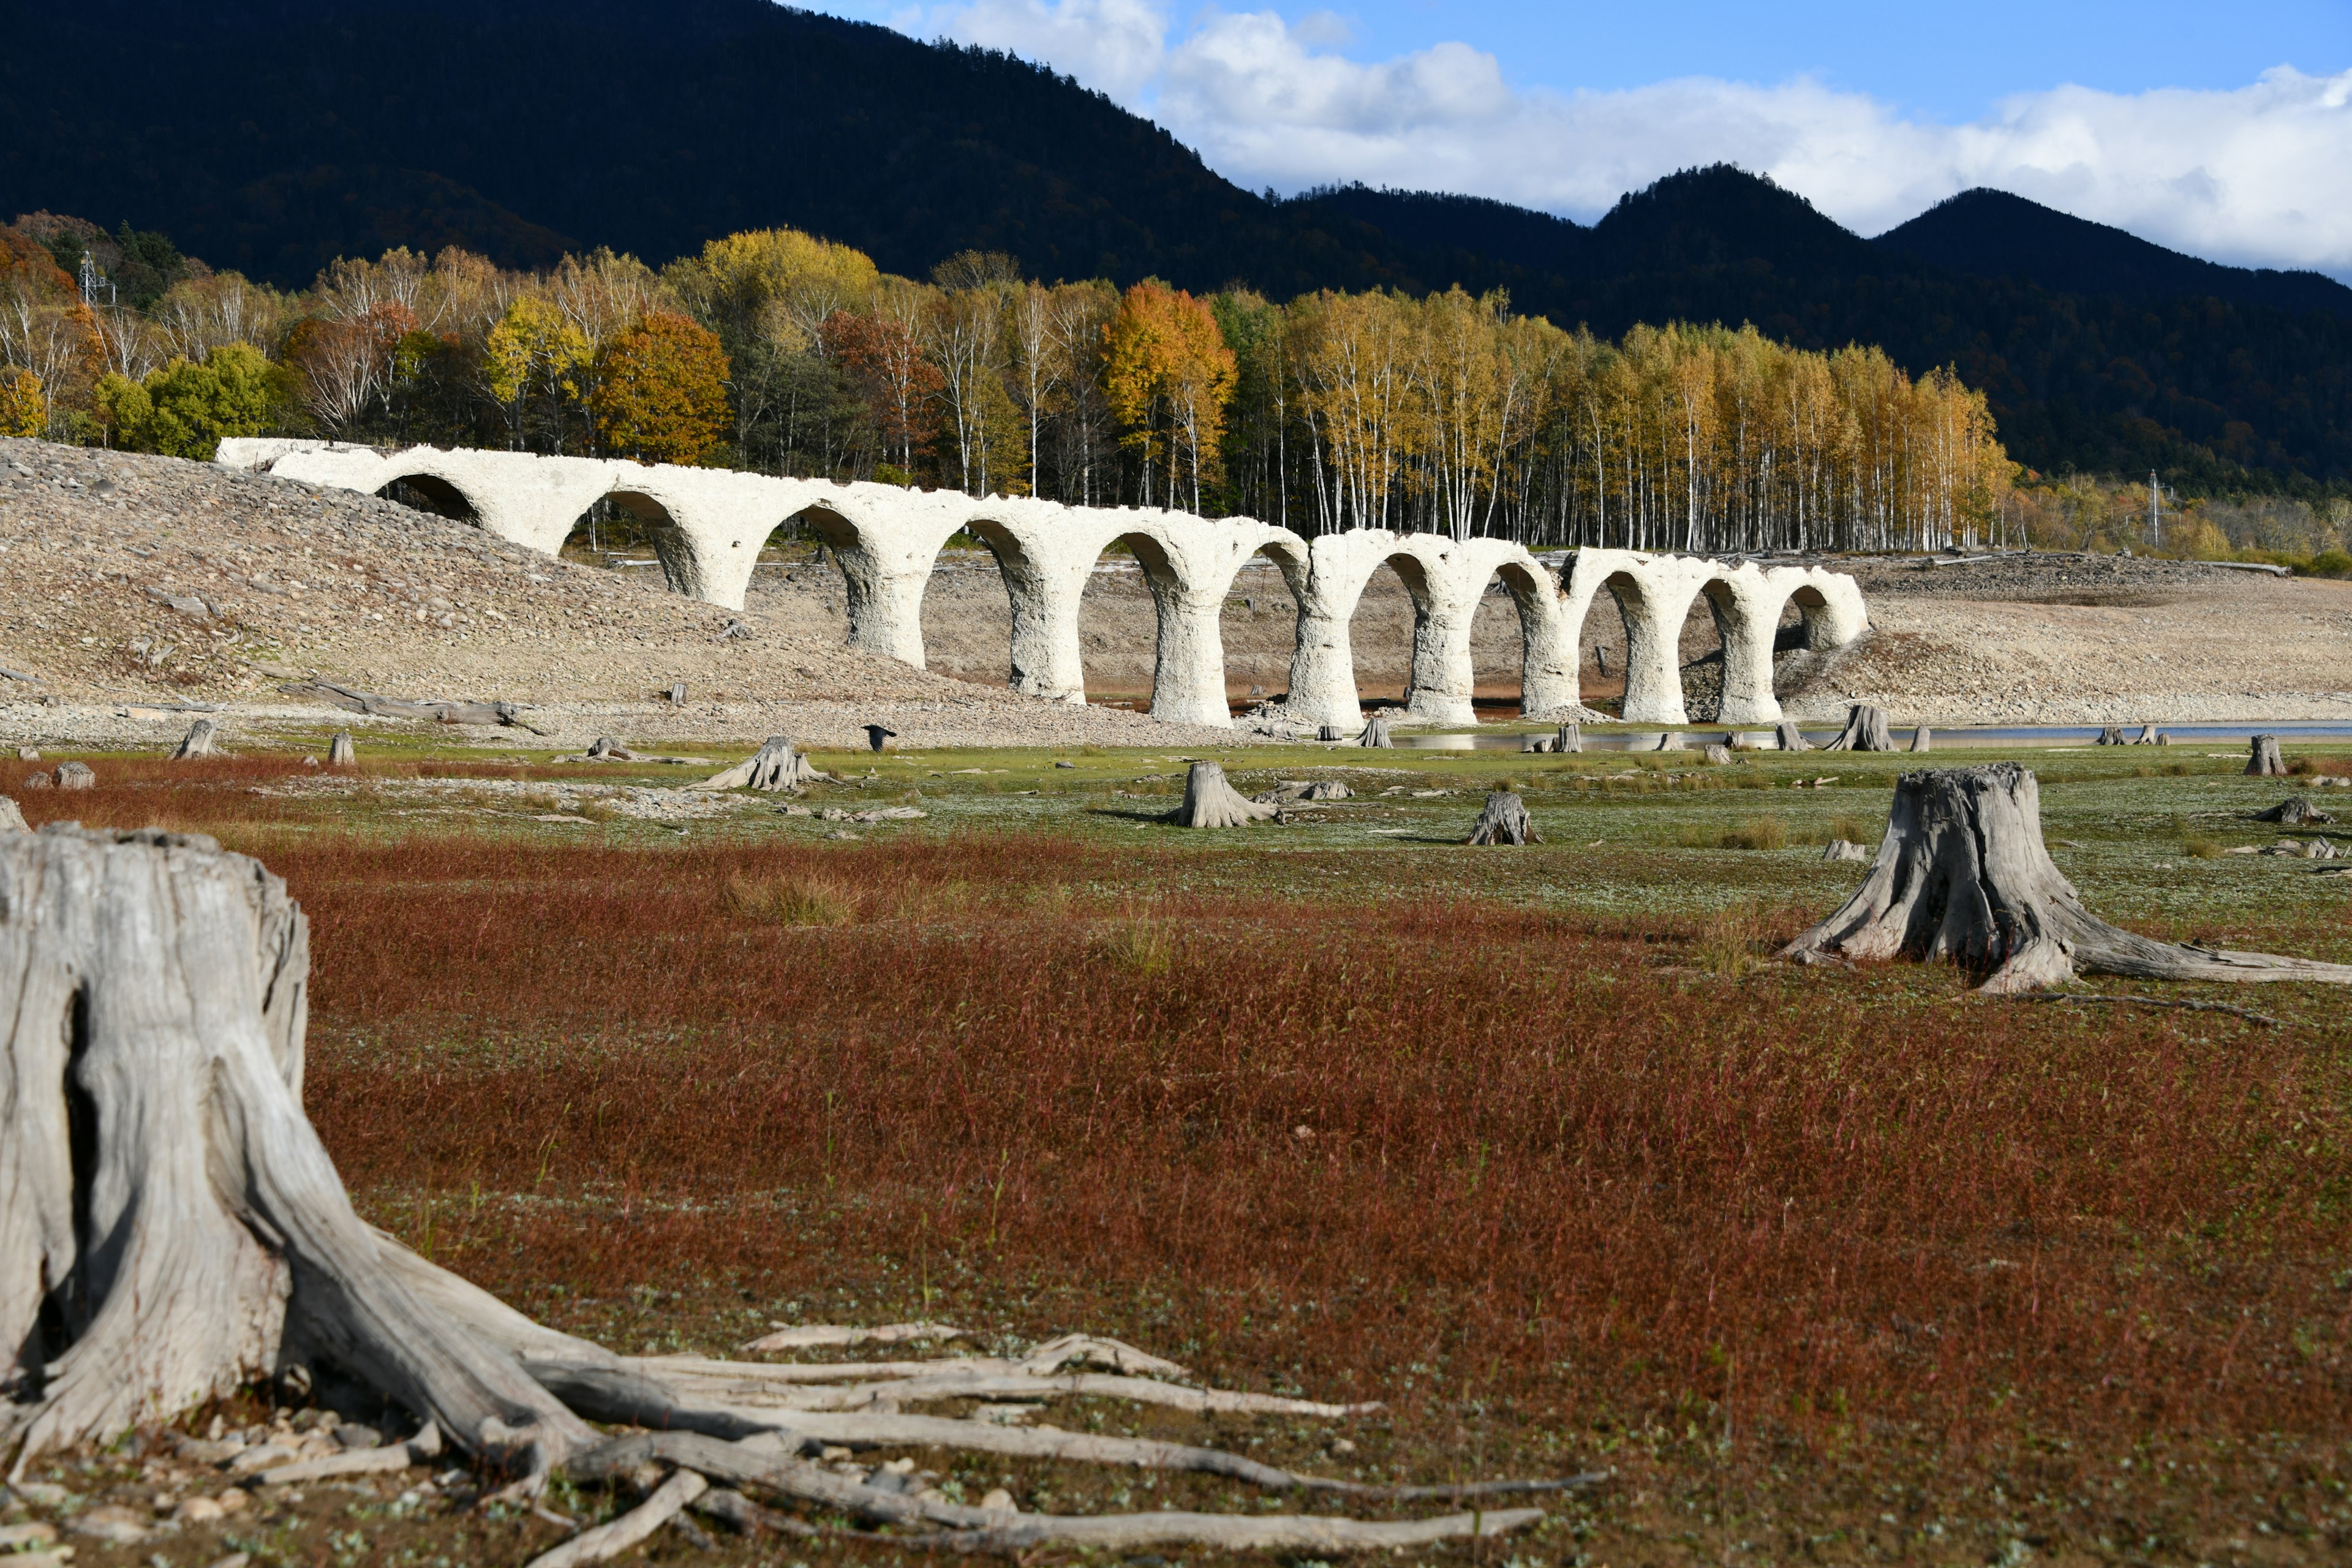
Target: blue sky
[(2221, 129)]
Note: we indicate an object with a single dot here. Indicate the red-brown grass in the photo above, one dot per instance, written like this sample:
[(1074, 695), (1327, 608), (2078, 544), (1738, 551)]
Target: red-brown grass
[(1538, 1160)]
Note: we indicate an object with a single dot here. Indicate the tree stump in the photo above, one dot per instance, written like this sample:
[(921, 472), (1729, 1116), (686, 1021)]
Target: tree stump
[(1210, 802), (341, 752), (1569, 738), (12, 817), (2264, 760), (153, 989), (202, 740), (1535, 743), (2294, 811), (1672, 741), (605, 749), (1505, 821), (1719, 756), (678, 694), (2151, 735), (1963, 878), (1866, 731), (75, 775), (2113, 735), (1790, 737), (1376, 732), (1331, 733), (1922, 739), (1845, 850), (775, 766), (875, 734)]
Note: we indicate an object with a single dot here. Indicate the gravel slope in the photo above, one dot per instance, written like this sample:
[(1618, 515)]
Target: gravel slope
[(130, 582)]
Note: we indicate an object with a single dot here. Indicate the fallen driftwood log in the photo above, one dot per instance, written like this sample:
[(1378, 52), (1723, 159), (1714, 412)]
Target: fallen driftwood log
[(238, 1256), (1866, 731), (605, 749), (1505, 821), (202, 740), (341, 752), (1210, 802), (1791, 738), (2262, 758), (826, 1334), (436, 710), (1964, 878), (775, 766), (2292, 811)]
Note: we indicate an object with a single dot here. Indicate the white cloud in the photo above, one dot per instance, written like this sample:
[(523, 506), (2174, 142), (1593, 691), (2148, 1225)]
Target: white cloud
[(2259, 175)]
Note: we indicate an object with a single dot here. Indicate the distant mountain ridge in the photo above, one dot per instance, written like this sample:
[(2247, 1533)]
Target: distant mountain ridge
[(1979, 233), (273, 135)]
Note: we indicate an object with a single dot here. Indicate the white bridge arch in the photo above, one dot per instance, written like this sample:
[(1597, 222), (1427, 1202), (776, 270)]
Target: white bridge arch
[(708, 526)]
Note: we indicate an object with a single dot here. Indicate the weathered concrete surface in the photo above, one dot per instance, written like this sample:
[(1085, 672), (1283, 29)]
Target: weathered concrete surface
[(708, 527)]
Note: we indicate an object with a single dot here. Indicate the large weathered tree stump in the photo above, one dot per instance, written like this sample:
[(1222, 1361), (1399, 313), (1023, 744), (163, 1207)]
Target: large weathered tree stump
[(202, 740), (2113, 735), (1505, 821), (2151, 734), (12, 816), (1376, 732), (1866, 731), (170, 1226), (775, 766), (341, 752), (1923, 738), (1569, 738), (1790, 737), (2262, 760), (1210, 802), (1963, 878)]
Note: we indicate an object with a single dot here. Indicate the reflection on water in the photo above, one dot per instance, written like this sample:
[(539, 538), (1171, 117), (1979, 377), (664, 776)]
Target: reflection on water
[(1762, 740)]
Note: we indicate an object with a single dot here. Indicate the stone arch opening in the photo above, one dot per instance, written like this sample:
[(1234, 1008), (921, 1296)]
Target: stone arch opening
[(1700, 650), (1603, 640), (1504, 630), (983, 580), (431, 492), (796, 580), (1119, 621), (1389, 613), (646, 524), (1258, 624), (1805, 622)]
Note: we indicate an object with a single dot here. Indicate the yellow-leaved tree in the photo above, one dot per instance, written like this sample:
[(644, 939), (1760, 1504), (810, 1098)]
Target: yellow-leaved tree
[(662, 392), (24, 412), (1168, 375), (533, 354)]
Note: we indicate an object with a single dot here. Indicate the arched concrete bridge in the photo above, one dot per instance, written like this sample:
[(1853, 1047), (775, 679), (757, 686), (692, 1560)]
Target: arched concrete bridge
[(708, 526)]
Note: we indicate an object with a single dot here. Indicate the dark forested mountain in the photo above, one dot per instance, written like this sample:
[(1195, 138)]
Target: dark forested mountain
[(1992, 234), (272, 135)]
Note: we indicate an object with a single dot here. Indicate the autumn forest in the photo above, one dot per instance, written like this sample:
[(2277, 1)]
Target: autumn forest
[(782, 353)]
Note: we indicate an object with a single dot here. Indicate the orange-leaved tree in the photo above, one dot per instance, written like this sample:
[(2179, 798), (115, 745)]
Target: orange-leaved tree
[(662, 395), (1168, 376)]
